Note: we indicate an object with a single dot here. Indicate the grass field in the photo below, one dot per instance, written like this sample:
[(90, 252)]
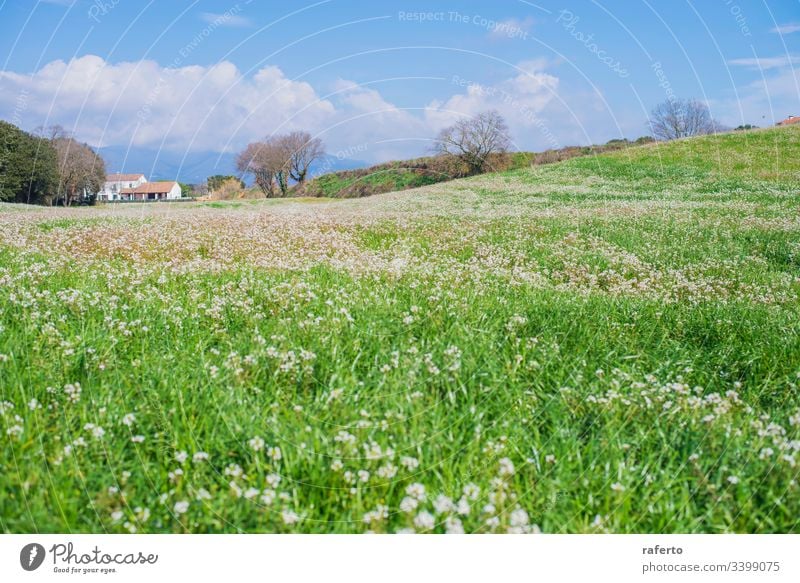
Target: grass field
[(608, 344)]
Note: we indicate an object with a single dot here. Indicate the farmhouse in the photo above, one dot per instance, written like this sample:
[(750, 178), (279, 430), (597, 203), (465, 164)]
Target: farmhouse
[(792, 119), (152, 191), (116, 182)]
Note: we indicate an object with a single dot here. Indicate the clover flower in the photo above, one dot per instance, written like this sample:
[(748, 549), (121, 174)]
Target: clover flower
[(443, 504), (256, 443), (408, 504), (417, 491), (290, 517), (506, 467), (424, 520)]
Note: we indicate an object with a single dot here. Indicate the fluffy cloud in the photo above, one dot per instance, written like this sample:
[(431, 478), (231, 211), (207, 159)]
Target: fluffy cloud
[(521, 99), (145, 104), (217, 108), (376, 129)]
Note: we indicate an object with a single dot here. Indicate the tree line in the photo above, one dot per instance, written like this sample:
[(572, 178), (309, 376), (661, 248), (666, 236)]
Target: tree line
[(47, 167)]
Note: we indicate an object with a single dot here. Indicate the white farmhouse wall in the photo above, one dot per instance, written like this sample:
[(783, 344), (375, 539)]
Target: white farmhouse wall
[(175, 192)]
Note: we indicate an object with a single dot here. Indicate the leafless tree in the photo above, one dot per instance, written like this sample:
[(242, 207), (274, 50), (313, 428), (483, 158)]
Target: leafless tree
[(681, 118), (302, 150), (473, 140), (258, 159), (81, 171), (278, 159), (52, 133), (268, 161)]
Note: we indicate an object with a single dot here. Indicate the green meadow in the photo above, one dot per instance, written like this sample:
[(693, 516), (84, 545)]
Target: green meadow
[(607, 344)]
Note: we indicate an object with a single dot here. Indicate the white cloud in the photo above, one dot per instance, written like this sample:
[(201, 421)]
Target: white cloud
[(373, 128), (521, 99), (225, 19), (767, 62), (188, 108), (786, 28), (217, 108)]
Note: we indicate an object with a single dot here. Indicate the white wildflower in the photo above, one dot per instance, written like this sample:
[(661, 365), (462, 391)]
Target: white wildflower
[(443, 504), (453, 526), (471, 491), (408, 504), (416, 490), (289, 517), (506, 467), (409, 463), (424, 520)]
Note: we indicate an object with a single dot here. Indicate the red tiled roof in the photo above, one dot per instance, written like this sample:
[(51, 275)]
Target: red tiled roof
[(789, 120), (123, 177), (150, 188)]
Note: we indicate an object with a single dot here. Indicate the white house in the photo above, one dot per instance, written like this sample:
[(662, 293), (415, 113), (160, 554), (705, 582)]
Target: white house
[(116, 182), (152, 191)]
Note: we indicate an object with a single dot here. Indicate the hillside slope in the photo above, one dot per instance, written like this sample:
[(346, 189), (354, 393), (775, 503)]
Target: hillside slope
[(406, 174), (771, 155)]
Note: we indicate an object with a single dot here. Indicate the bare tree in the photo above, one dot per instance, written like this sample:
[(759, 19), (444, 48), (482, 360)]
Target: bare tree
[(302, 150), (473, 140), (278, 159), (81, 171), (270, 163), (52, 133), (681, 118), (258, 159)]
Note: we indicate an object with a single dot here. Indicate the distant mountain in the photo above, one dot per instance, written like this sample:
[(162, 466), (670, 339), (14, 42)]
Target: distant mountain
[(194, 167)]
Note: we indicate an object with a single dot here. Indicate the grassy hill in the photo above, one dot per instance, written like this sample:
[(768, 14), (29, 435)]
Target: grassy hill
[(406, 174), (768, 154), (606, 344)]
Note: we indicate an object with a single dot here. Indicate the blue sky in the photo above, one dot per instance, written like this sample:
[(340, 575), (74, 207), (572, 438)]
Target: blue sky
[(378, 80)]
